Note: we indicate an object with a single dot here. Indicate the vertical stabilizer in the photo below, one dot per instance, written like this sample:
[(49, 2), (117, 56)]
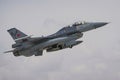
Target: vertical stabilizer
[(15, 33)]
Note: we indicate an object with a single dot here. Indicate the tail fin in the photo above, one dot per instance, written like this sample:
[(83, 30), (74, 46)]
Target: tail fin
[(15, 33)]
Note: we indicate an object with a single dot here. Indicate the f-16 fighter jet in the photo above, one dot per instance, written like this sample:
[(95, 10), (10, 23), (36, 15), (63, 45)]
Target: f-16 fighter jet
[(64, 38)]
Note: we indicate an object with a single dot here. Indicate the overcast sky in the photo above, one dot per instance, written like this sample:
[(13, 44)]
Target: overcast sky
[(97, 58)]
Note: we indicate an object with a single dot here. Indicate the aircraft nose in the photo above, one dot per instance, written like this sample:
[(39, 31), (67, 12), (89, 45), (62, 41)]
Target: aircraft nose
[(99, 24)]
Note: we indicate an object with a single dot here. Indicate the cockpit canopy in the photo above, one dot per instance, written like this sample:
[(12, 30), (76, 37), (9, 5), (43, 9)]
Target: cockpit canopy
[(69, 27), (78, 23)]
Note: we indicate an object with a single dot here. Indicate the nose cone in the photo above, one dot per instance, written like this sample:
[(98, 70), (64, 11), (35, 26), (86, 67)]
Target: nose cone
[(99, 24)]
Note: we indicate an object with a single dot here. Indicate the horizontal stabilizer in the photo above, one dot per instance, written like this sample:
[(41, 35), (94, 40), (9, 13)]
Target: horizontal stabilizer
[(9, 51)]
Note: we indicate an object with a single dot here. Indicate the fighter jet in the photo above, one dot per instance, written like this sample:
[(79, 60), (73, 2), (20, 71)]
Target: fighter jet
[(67, 37)]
